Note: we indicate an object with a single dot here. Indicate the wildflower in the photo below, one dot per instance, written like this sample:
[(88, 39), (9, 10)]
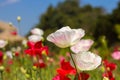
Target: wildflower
[(66, 69), (66, 37), (1, 57), (109, 75), (105, 78), (14, 33), (9, 54), (35, 38), (13, 49), (40, 64), (24, 43), (18, 18), (36, 49), (86, 60), (17, 54), (3, 43), (116, 55), (10, 61), (37, 31), (2, 68), (18, 48), (109, 65), (82, 45), (50, 60)]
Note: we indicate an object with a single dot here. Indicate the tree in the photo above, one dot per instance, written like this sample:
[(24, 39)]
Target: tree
[(69, 13)]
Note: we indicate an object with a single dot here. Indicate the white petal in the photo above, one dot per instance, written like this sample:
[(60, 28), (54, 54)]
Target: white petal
[(35, 38), (9, 54), (37, 31), (66, 28), (82, 45), (3, 43), (86, 61), (66, 37)]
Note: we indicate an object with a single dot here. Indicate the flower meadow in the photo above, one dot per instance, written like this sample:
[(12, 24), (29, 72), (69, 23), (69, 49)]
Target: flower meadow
[(78, 59)]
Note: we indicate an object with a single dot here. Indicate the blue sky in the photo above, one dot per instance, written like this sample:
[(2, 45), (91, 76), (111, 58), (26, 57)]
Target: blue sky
[(30, 10)]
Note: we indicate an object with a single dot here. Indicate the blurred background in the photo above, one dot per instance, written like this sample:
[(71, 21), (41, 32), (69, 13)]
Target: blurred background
[(99, 18)]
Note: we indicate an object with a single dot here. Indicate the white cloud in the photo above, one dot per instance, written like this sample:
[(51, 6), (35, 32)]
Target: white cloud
[(8, 2)]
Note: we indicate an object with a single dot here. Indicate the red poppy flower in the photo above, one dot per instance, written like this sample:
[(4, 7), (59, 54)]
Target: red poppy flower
[(40, 64), (109, 65), (36, 49), (1, 56), (60, 77), (66, 69), (109, 75), (16, 54), (10, 62), (14, 33)]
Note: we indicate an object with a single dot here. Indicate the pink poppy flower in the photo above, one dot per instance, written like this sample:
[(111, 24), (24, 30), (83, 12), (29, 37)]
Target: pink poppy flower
[(116, 55)]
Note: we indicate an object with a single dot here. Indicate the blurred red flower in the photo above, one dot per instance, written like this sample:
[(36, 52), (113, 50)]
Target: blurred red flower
[(83, 76), (109, 65), (66, 69), (14, 33), (36, 49), (16, 54), (40, 64), (10, 62), (1, 57), (109, 75)]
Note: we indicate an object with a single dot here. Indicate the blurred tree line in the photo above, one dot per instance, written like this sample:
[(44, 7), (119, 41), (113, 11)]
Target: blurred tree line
[(94, 20)]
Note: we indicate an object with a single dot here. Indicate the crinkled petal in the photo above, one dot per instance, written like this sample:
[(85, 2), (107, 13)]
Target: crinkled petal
[(66, 37), (86, 60), (82, 45)]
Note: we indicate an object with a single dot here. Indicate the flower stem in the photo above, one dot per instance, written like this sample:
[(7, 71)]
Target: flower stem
[(79, 78), (1, 75)]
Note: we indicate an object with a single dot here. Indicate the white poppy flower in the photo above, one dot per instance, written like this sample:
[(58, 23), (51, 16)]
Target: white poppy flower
[(18, 48), (86, 61), (9, 54), (35, 38), (66, 37), (3, 43), (13, 49), (82, 45), (24, 42), (37, 31)]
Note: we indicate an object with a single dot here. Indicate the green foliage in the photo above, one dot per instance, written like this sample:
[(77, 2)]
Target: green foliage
[(117, 29)]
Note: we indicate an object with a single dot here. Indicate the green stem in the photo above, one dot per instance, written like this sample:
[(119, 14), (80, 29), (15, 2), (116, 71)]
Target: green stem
[(16, 73), (19, 28), (75, 65), (1, 75)]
